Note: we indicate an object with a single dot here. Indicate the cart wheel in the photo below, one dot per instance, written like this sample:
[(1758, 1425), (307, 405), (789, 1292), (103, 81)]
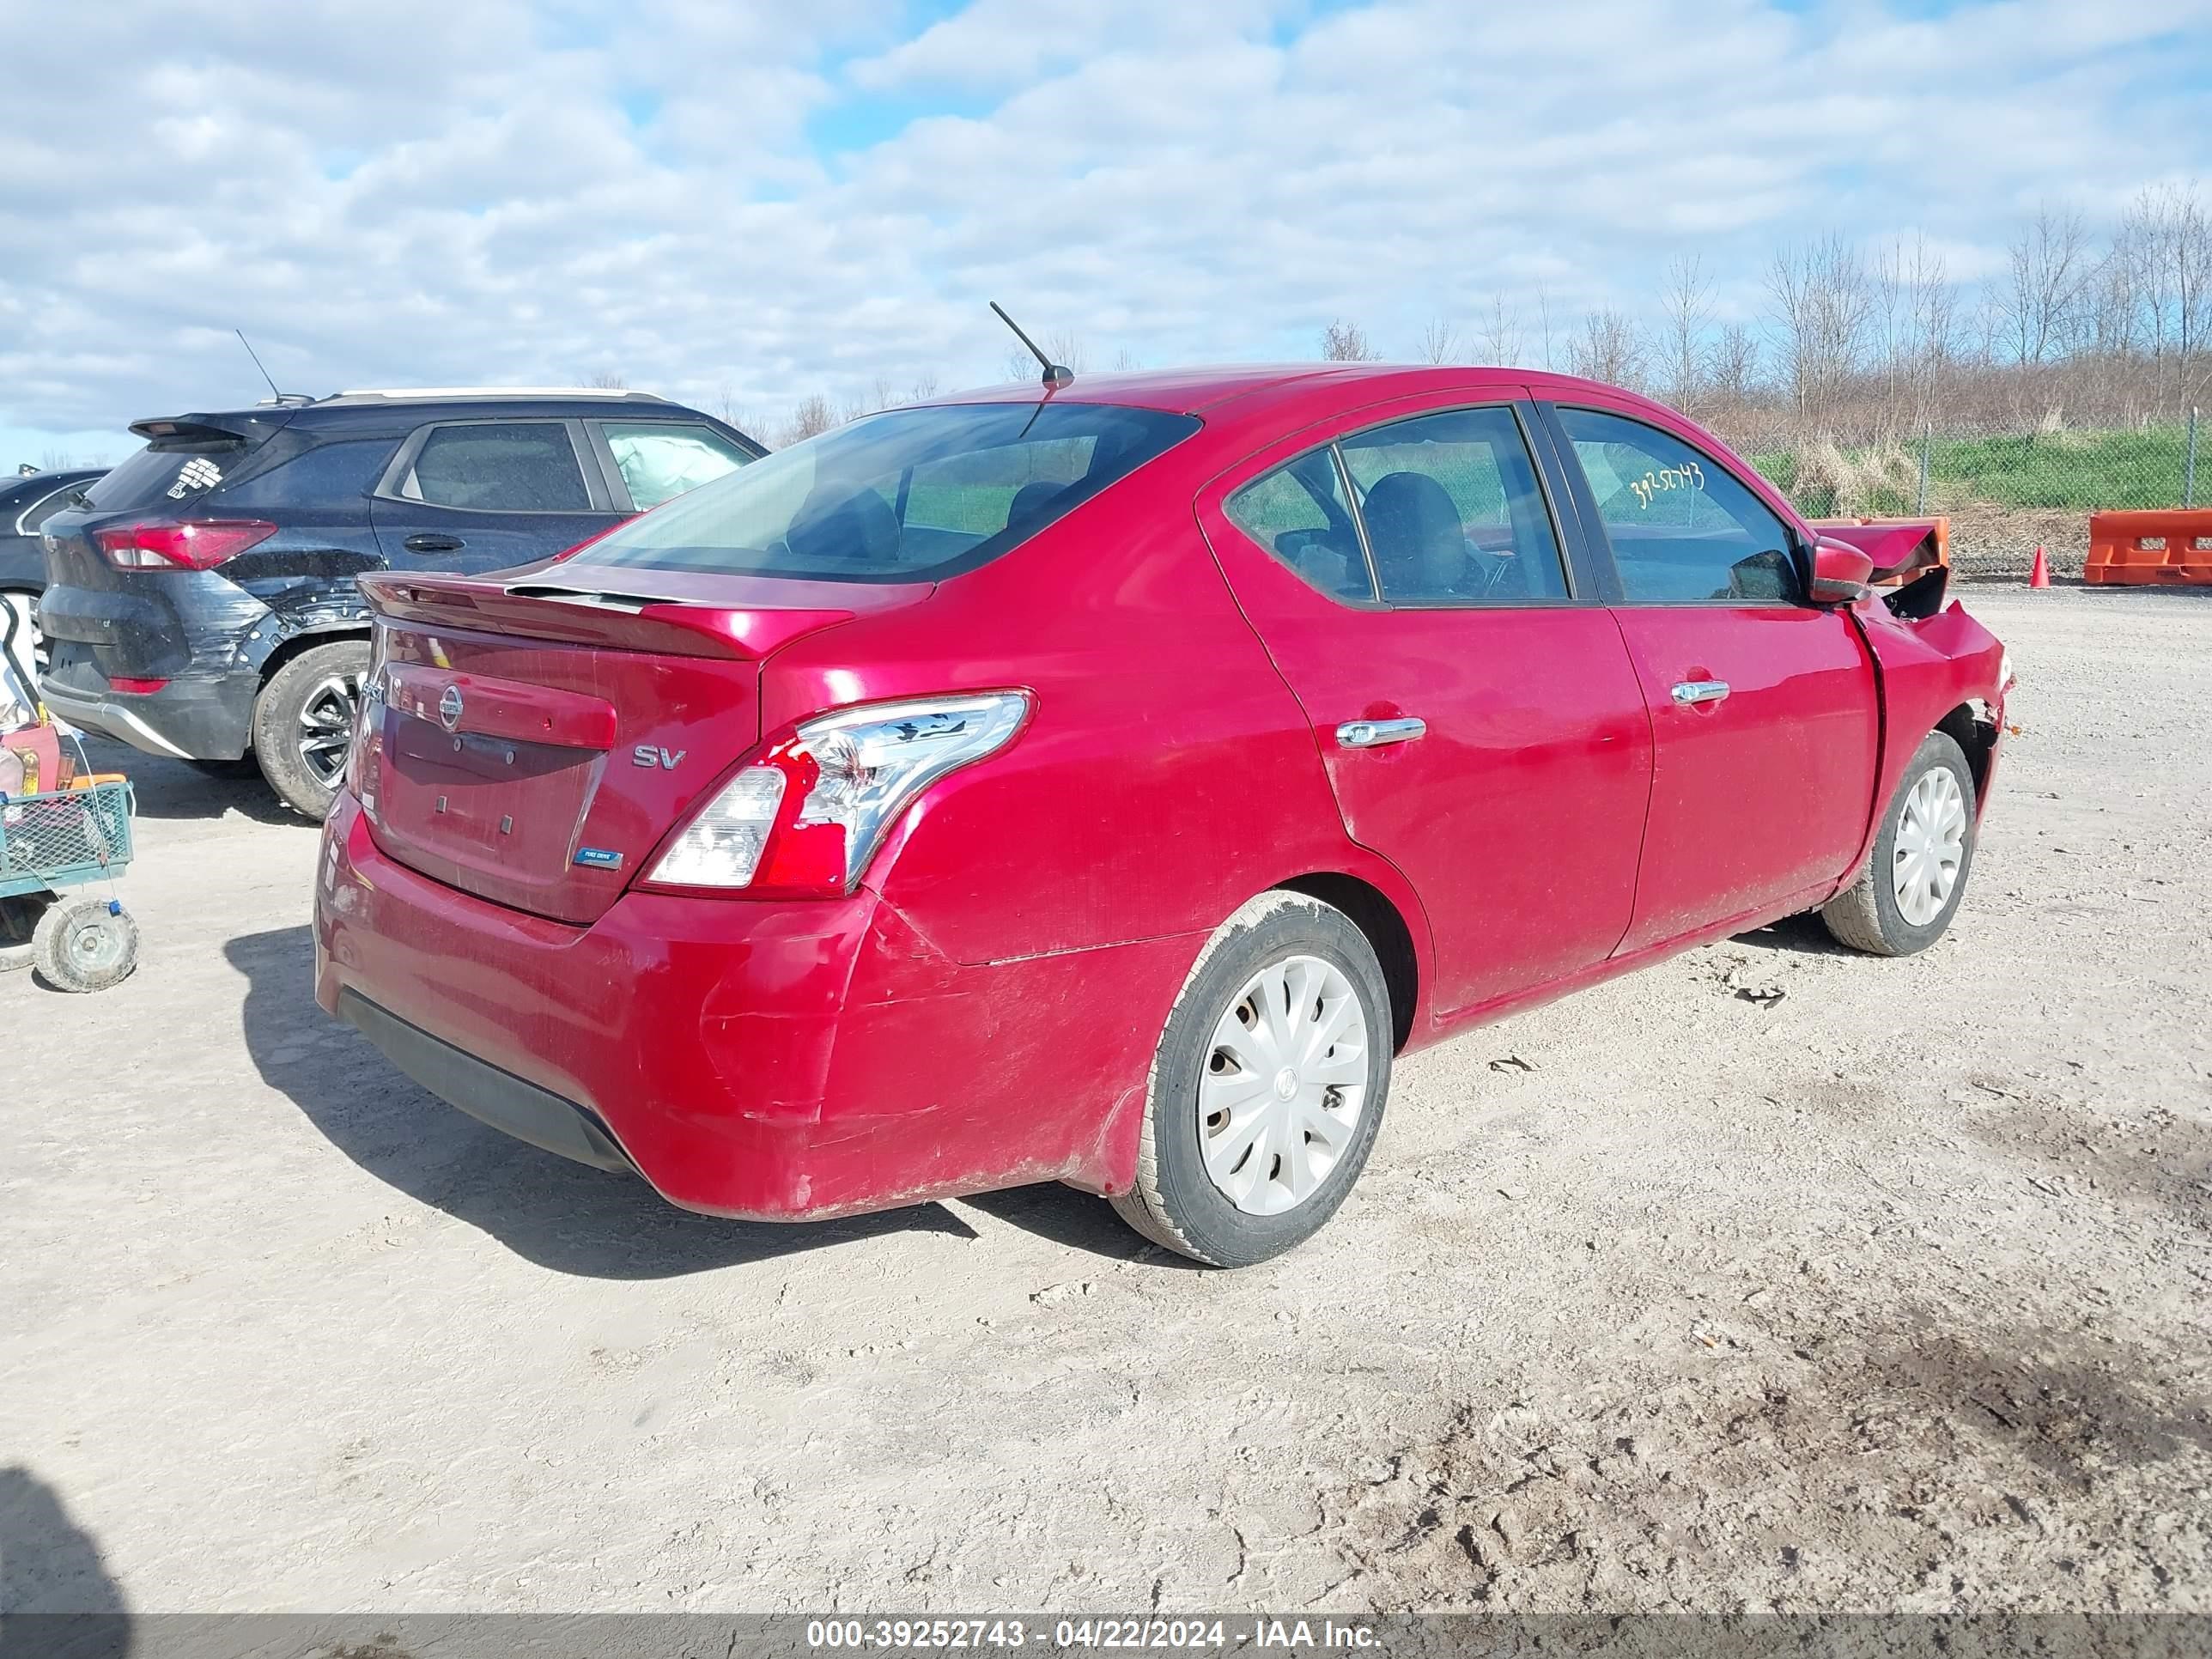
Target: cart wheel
[(19, 920), (86, 944)]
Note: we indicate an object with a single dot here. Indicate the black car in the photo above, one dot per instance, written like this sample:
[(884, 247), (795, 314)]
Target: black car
[(200, 598), (25, 503)]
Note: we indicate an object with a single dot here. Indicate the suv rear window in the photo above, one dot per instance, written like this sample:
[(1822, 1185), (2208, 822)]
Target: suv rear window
[(912, 495), (161, 474)]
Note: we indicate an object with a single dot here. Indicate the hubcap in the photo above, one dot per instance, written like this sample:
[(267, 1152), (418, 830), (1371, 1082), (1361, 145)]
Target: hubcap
[(94, 945), (1930, 846), (326, 726), (1285, 1082)]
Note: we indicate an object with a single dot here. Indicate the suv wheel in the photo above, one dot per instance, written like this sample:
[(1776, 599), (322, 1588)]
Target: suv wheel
[(303, 724), (1268, 1087)]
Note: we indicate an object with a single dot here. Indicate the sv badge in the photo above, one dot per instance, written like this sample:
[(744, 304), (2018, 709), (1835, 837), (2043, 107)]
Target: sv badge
[(646, 755)]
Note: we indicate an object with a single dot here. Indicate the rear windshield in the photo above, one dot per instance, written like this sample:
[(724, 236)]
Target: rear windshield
[(913, 495), (160, 474)]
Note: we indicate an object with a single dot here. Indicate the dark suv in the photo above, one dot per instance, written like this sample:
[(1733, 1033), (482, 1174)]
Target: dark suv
[(200, 598), (25, 503)]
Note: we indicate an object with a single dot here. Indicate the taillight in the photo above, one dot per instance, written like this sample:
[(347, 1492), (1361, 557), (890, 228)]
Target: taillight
[(190, 544), (367, 747), (134, 687), (805, 818)]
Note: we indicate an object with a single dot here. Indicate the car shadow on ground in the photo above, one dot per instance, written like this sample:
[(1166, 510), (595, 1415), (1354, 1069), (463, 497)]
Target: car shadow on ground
[(565, 1217), (174, 789), (1805, 935)]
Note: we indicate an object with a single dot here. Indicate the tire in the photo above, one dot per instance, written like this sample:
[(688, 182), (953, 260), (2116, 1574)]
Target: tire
[(85, 944), (298, 738), (1898, 905), (1225, 1208), (18, 924)]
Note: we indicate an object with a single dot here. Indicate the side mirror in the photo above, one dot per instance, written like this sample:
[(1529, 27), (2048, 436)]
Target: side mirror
[(1840, 574)]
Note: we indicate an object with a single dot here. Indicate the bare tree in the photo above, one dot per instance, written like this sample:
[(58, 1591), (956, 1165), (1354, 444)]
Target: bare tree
[(1820, 306), (923, 389), (1125, 360), (724, 404), (1439, 341), (1346, 342), (1501, 334), (1608, 348), (1686, 311), (606, 380), (2048, 266), (1732, 365), (1544, 321), (813, 415)]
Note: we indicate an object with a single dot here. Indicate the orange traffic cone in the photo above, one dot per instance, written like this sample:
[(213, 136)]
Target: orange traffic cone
[(2040, 576)]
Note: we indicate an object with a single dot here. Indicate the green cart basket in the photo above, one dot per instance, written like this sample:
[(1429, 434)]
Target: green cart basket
[(50, 843)]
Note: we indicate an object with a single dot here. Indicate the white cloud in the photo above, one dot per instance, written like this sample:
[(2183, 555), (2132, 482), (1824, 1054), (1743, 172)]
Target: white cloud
[(422, 192)]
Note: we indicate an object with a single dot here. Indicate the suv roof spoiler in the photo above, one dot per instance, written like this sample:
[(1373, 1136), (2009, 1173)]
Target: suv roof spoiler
[(447, 393), (208, 429)]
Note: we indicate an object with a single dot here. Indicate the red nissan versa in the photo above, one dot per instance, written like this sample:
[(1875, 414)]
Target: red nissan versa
[(1102, 783)]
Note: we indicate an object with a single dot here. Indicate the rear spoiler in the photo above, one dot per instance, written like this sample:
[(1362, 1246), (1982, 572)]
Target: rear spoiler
[(579, 614), (246, 427)]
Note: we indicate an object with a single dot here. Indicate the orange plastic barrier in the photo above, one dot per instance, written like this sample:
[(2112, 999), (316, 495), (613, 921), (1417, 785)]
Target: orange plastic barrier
[(2156, 548)]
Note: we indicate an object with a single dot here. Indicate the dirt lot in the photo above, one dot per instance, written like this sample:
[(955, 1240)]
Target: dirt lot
[(1888, 1295)]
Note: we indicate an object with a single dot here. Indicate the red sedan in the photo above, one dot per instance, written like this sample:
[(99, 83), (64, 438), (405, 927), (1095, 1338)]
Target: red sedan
[(1103, 782)]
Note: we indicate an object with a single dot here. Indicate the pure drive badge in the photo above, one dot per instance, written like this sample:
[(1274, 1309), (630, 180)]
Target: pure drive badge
[(599, 858)]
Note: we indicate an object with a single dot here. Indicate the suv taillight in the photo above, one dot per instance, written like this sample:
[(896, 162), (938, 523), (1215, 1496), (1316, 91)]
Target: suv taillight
[(804, 820), (181, 545)]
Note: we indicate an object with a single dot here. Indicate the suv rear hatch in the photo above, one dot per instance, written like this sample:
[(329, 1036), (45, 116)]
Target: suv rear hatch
[(532, 740), (132, 621)]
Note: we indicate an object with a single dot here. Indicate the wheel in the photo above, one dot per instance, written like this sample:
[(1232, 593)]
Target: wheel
[(1904, 898), (303, 724), (19, 922), (86, 944), (30, 643), (1268, 1087)]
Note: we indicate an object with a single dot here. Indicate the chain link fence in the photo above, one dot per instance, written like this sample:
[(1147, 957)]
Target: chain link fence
[(2006, 490)]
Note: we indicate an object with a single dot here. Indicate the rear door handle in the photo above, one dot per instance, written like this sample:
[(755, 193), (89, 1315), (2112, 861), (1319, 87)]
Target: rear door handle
[(1373, 734), (1688, 692), (433, 543)]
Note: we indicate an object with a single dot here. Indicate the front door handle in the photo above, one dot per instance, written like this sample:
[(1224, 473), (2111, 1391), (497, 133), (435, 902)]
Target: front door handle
[(1688, 692), (433, 544), (1373, 734)]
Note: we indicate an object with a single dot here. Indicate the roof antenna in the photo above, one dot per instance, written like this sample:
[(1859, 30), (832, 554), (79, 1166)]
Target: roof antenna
[(1056, 374), (256, 356)]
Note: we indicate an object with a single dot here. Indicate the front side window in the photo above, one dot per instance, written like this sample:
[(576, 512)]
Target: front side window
[(660, 459), (1683, 527), (500, 466), (1453, 510), (911, 494)]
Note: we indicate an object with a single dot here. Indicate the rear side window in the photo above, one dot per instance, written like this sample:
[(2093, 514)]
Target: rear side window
[(659, 460), (43, 507), (1682, 526), (499, 467), (1298, 513), (329, 475), (1453, 510), (911, 494)]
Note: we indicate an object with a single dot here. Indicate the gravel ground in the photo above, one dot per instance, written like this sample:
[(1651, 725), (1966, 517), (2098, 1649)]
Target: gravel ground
[(1889, 1294)]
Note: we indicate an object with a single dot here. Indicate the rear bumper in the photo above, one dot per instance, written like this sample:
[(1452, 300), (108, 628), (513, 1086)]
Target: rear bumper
[(190, 719), (499, 1098), (770, 1061)]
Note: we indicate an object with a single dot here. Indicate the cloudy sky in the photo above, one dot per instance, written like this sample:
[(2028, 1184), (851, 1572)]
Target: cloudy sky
[(742, 202)]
